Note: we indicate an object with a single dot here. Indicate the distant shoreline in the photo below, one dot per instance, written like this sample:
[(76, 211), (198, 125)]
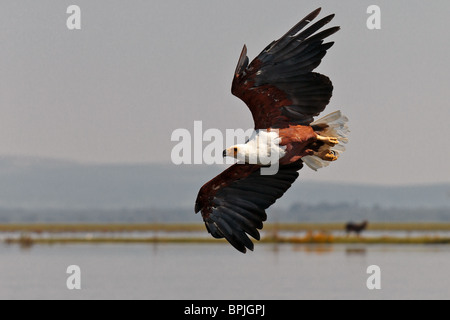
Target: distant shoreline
[(317, 239), (27, 235)]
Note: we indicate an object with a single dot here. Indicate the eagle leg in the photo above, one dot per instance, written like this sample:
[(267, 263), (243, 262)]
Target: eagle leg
[(331, 141)]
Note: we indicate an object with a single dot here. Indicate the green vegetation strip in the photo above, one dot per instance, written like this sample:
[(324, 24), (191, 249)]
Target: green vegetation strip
[(187, 227)]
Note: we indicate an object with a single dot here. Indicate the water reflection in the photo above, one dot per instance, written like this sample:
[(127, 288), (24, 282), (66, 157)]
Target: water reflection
[(313, 248), (356, 251)]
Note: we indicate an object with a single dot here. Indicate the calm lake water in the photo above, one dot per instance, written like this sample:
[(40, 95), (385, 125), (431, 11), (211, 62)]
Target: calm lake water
[(210, 271)]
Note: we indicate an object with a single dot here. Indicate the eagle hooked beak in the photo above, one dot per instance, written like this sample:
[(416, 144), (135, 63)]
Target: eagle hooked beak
[(227, 152)]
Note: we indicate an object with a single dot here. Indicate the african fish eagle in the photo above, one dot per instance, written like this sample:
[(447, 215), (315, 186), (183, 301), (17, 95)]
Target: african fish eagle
[(283, 95)]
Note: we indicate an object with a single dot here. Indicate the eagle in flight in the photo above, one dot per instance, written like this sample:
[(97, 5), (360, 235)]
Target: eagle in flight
[(283, 94)]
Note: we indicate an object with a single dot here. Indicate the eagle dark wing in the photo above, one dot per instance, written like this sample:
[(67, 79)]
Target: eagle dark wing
[(233, 204), (279, 86)]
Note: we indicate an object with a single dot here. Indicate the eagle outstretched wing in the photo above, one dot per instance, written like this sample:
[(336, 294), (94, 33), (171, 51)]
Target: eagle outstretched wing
[(233, 204), (279, 86), (280, 89)]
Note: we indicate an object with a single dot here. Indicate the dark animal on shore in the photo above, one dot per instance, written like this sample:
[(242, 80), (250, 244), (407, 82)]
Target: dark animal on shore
[(356, 227)]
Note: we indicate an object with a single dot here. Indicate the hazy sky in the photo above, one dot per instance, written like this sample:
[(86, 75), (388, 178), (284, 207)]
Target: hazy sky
[(116, 89)]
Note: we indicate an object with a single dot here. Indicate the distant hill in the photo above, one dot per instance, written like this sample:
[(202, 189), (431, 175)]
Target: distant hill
[(45, 185)]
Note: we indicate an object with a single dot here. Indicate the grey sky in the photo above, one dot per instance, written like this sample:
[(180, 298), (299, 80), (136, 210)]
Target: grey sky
[(115, 90)]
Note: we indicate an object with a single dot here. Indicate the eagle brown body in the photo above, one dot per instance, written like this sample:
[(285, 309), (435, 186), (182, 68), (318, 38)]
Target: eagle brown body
[(299, 141)]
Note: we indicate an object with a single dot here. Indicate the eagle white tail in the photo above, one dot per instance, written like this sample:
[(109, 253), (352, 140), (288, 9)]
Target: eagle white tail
[(335, 125)]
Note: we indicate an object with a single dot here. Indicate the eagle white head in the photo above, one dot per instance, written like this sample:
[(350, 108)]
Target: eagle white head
[(263, 148)]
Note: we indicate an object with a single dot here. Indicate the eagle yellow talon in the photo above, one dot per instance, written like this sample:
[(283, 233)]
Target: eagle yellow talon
[(332, 141), (327, 156)]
